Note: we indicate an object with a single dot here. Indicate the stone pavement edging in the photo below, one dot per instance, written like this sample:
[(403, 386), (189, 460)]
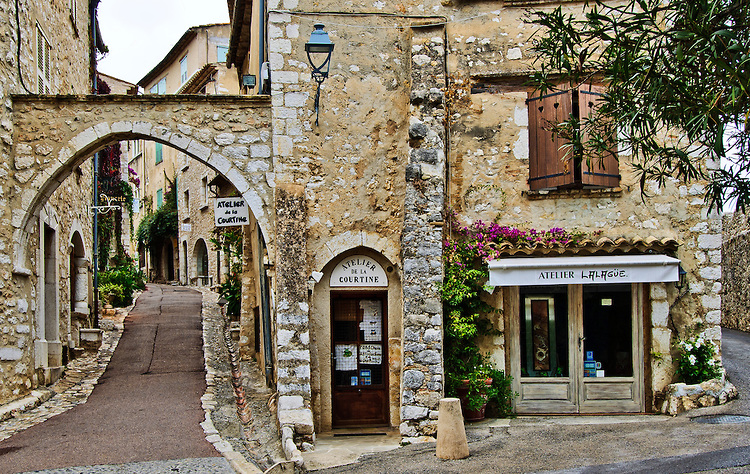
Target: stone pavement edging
[(208, 400)]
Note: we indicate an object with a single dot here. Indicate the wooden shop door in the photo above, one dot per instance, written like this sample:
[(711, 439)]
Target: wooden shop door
[(360, 372)]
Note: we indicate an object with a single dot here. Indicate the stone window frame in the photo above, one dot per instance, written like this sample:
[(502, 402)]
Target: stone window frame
[(43, 62)]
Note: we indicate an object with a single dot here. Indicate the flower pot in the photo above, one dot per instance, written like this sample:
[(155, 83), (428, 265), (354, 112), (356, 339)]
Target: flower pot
[(469, 414)]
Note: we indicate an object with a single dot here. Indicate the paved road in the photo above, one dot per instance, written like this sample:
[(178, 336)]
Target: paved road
[(146, 406), (640, 444)]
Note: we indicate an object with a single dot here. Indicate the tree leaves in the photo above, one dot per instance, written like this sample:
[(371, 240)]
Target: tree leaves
[(677, 68)]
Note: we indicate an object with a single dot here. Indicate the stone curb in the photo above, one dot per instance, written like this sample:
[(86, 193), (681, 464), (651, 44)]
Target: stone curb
[(208, 403)]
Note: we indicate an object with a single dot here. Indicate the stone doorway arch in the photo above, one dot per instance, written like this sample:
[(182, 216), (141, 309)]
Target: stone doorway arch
[(55, 134)]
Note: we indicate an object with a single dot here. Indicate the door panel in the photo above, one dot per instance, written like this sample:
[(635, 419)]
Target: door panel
[(359, 372)]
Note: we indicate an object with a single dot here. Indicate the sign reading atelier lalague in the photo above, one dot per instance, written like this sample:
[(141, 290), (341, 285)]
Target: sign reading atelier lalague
[(359, 270), (231, 211)]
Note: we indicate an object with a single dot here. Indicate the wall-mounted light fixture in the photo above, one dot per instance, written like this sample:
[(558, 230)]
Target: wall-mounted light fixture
[(319, 50), (682, 276)]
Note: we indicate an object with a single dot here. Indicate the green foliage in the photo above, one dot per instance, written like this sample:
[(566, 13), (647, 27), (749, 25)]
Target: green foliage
[(696, 360), (162, 224), (465, 256), (231, 290), (118, 285), (229, 241), (680, 67)]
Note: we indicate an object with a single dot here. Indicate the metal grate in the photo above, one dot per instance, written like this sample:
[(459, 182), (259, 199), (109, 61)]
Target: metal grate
[(721, 419)]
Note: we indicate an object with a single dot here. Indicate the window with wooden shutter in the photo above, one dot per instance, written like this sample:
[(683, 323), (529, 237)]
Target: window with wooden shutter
[(43, 63), (554, 162), (549, 167), (601, 171)]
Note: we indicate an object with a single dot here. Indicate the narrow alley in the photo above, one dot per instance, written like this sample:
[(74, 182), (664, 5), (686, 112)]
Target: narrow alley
[(145, 407)]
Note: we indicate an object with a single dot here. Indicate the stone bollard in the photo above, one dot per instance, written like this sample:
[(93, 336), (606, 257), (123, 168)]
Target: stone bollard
[(451, 435)]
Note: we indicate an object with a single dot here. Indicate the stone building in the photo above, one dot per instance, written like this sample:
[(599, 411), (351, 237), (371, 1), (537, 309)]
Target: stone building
[(735, 272), (425, 109), (194, 65), (49, 50)]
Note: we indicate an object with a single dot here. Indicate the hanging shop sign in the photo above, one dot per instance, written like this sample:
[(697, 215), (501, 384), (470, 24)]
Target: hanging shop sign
[(359, 270), (231, 211), (583, 270)]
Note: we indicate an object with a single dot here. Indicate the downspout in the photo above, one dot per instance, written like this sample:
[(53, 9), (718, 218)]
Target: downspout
[(265, 301), (96, 178), (262, 47)]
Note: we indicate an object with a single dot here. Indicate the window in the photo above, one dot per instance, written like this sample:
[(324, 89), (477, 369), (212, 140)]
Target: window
[(553, 162), (159, 157), (160, 87), (137, 148), (204, 190), (183, 70), (221, 54), (159, 198), (43, 63), (186, 202)]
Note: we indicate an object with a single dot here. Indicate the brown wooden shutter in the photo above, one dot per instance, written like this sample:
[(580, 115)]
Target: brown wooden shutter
[(548, 165), (597, 171)]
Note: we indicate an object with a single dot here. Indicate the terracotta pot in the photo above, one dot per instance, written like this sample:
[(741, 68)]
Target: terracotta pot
[(472, 415)]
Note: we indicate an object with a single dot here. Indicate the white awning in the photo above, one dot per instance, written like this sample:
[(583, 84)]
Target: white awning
[(583, 270)]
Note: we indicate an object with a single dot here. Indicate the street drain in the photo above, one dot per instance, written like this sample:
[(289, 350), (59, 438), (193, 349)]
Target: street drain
[(721, 419)]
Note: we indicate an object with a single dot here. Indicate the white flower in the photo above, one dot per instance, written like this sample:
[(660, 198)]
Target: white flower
[(698, 342), (692, 359), (711, 362), (688, 347)]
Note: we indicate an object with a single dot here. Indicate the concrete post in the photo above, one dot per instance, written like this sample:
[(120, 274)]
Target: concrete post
[(451, 435)]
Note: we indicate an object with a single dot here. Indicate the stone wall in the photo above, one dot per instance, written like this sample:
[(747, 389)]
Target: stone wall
[(23, 367), (735, 274)]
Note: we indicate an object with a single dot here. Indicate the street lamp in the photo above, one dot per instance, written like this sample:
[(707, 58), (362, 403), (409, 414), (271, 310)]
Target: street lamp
[(319, 50)]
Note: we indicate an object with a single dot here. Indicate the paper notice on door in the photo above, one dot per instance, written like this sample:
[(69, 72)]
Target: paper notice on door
[(372, 320), (371, 354), (346, 357)]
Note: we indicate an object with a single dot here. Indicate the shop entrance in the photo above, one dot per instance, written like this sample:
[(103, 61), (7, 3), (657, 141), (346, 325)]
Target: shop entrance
[(577, 348), (360, 372)]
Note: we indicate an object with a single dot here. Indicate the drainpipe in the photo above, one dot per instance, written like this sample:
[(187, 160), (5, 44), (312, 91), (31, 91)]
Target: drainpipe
[(96, 184), (262, 45)]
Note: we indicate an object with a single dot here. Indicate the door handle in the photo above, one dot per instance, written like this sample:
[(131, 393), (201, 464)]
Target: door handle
[(580, 341)]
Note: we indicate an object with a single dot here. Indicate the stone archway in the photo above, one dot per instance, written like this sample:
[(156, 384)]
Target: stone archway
[(53, 135)]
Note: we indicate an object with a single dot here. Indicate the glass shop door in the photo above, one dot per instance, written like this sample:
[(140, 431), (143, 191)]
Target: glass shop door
[(578, 349)]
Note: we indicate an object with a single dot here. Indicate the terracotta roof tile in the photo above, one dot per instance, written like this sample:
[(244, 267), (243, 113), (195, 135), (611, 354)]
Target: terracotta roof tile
[(602, 246)]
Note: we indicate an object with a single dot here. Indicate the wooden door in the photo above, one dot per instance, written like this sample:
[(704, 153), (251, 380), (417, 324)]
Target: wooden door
[(359, 372)]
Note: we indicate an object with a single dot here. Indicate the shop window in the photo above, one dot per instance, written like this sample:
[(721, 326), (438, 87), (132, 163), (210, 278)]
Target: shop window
[(557, 162), (544, 331)]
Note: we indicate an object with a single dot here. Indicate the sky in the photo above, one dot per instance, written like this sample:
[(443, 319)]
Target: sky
[(139, 33)]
